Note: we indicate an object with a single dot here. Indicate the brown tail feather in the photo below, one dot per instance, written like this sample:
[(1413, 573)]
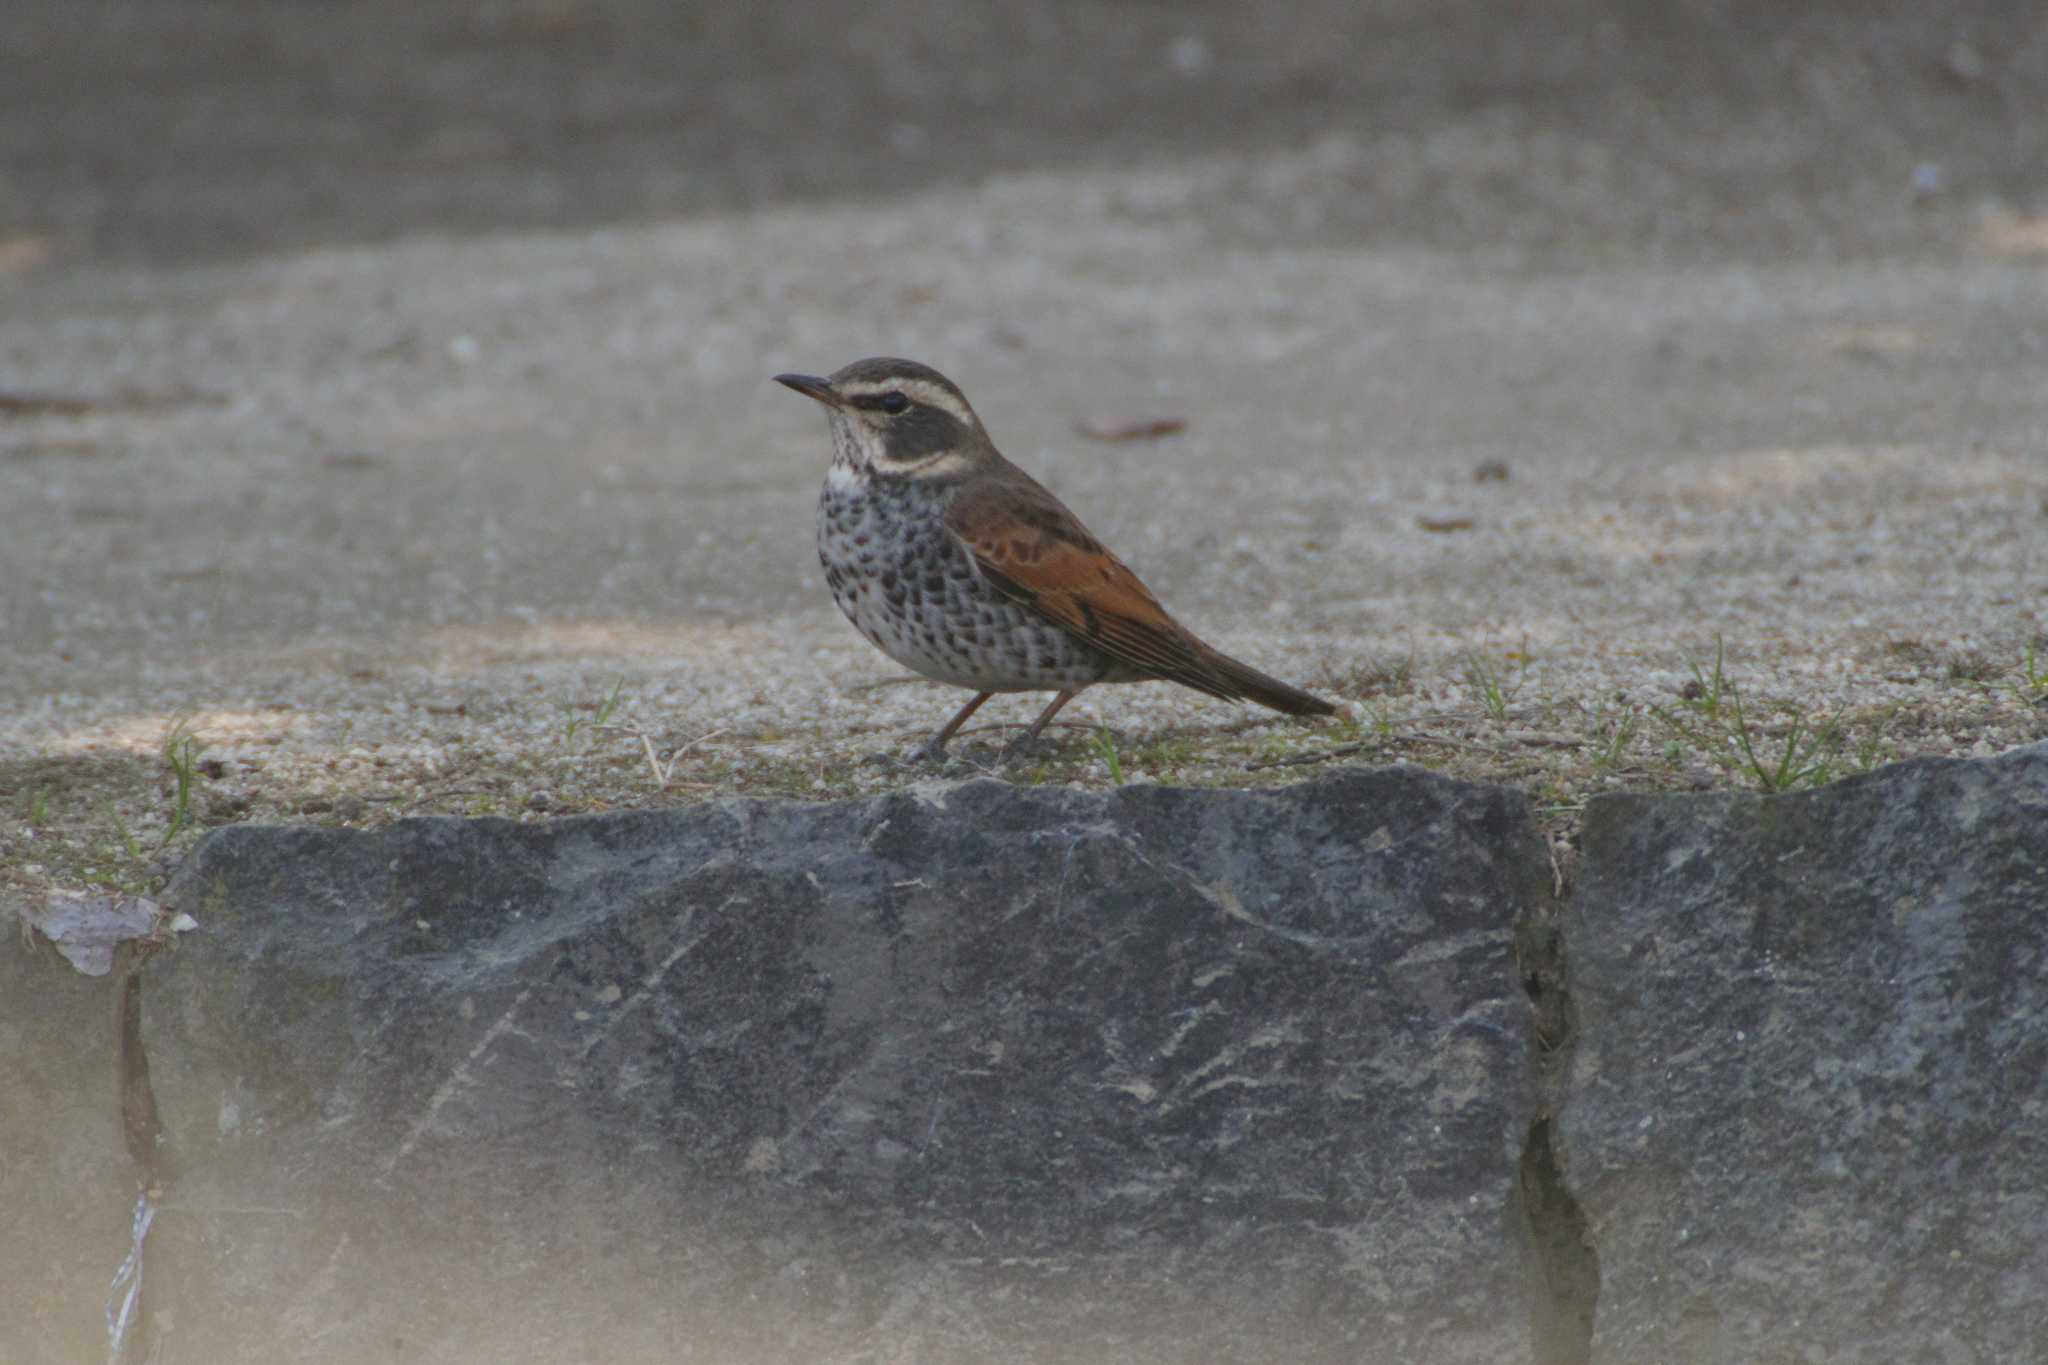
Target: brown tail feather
[(1242, 680)]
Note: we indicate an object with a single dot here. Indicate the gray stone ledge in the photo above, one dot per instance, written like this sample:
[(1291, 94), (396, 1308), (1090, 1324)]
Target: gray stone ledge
[(978, 1072), (969, 1072), (1808, 1109)]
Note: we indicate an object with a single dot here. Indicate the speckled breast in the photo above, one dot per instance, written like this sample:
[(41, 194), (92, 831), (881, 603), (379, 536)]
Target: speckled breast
[(914, 591)]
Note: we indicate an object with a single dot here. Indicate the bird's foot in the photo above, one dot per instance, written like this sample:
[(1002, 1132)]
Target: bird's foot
[(930, 754)]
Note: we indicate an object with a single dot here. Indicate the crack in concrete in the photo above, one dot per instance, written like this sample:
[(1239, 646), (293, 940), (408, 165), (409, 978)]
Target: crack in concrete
[(128, 1315), (1561, 1264)]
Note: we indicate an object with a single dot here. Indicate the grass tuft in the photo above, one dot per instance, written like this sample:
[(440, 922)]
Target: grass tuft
[(1105, 749), (1713, 719), (1484, 679), (181, 749), (604, 711)]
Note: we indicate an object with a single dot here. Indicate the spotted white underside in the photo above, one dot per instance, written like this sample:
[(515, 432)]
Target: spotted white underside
[(909, 586)]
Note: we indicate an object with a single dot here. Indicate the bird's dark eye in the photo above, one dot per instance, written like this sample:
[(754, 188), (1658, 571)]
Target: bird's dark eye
[(894, 402)]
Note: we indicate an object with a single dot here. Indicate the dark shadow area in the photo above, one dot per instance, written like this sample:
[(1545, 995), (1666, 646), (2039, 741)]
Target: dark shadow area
[(1564, 1265), (202, 129), (1560, 1263)]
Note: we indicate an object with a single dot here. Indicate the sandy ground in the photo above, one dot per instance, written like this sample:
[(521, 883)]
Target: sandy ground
[(418, 514)]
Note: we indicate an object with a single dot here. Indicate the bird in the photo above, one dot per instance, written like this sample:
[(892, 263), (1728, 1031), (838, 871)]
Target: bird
[(959, 565)]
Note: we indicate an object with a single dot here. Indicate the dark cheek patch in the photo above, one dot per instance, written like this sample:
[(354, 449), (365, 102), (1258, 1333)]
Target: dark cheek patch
[(923, 431)]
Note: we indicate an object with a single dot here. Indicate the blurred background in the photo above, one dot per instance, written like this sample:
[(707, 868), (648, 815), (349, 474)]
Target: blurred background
[(185, 128)]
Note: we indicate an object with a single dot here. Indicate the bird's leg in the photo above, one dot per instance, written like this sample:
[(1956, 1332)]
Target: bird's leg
[(934, 749), (1024, 741)]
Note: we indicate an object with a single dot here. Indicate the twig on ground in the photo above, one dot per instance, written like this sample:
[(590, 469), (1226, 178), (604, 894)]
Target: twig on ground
[(1320, 756), (663, 772)]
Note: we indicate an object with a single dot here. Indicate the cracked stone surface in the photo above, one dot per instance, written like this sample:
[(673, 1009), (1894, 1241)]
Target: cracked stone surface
[(1807, 1106), (971, 1072), (983, 1072)]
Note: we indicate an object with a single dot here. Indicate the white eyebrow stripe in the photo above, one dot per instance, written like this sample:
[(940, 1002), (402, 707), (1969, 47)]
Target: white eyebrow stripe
[(931, 395), (917, 390)]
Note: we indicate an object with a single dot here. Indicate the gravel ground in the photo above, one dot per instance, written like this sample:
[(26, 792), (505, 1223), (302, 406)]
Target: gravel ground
[(513, 522)]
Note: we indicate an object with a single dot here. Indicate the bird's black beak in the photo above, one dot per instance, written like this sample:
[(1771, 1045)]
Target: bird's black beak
[(810, 386)]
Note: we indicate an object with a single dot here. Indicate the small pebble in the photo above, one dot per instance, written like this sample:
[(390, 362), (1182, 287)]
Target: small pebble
[(1189, 55), (1964, 63)]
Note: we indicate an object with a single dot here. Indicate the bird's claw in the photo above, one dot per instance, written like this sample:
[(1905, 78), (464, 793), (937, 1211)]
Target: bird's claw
[(927, 755)]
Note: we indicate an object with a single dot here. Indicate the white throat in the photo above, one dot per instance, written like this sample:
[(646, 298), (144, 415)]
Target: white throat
[(847, 452)]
